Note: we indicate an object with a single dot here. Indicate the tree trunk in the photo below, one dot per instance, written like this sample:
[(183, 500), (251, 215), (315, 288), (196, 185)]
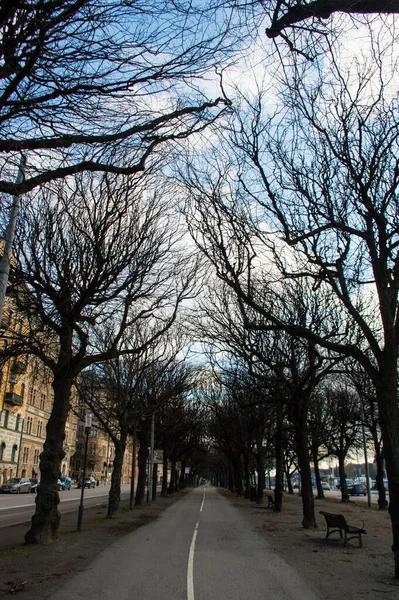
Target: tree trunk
[(289, 482), (114, 496), (142, 472), (379, 478), (389, 421), (246, 475), (279, 489), (164, 489), (342, 478), (300, 420), (320, 492), (309, 518), (182, 481), (154, 481), (45, 522), (260, 467), (230, 476), (172, 483), (237, 475)]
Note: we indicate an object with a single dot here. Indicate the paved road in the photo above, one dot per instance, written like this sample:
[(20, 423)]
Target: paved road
[(200, 549), (19, 508)]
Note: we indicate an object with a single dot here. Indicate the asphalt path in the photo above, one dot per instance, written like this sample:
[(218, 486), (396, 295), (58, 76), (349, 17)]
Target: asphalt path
[(199, 549), (19, 508)]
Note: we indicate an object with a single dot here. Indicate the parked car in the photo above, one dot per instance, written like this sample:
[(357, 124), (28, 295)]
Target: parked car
[(357, 489), (34, 483), (90, 482), (349, 484), (64, 483), (16, 485), (325, 485)]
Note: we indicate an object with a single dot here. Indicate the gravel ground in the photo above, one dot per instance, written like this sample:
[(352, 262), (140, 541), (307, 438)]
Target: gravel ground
[(334, 571)]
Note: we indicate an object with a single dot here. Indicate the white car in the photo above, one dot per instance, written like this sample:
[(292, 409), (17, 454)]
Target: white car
[(16, 485)]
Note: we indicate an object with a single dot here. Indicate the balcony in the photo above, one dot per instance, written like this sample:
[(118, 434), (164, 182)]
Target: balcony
[(13, 399)]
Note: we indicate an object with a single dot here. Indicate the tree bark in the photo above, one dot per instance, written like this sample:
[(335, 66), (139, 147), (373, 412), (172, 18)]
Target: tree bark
[(141, 480), (164, 490), (379, 478), (300, 420), (342, 478), (309, 518), (260, 467), (320, 492), (289, 481), (114, 497), (154, 481), (389, 420), (45, 522), (279, 489), (172, 483)]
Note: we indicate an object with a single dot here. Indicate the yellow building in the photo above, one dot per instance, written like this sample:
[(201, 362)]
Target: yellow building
[(26, 400)]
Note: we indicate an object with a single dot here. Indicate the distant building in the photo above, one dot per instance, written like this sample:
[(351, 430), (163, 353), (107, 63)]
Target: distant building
[(26, 400)]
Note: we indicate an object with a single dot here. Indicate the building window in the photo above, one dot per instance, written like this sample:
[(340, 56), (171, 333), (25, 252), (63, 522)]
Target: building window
[(14, 453), (29, 422), (6, 415), (25, 455), (39, 428), (36, 457), (42, 401), (2, 448), (17, 422), (32, 397)]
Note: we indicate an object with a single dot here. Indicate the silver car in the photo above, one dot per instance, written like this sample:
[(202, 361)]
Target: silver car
[(16, 485)]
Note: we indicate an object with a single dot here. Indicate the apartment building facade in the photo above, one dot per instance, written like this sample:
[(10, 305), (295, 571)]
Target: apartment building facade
[(26, 400)]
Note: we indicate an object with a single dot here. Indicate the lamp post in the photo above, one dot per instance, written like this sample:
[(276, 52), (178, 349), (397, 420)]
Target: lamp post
[(88, 422), (9, 239)]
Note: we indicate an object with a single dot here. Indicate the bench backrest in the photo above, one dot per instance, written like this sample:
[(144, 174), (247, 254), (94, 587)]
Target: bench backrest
[(334, 520)]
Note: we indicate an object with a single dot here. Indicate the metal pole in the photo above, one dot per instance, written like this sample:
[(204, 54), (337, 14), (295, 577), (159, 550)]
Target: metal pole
[(87, 432), (9, 239)]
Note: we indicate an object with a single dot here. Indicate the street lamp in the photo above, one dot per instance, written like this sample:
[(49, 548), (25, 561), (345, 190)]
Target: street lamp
[(88, 421)]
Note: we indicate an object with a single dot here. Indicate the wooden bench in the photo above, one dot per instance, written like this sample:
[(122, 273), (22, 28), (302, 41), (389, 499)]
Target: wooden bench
[(337, 524)]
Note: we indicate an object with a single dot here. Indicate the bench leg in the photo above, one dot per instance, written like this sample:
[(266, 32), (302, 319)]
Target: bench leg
[(333, 531), (352, 537)]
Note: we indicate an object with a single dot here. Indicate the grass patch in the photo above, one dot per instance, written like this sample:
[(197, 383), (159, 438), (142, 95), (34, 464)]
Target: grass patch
[(17, 550)]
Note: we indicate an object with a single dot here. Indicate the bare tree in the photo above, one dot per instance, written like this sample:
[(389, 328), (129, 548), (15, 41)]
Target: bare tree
[(343, 429), (369, 411), (97, 86), (93, 261), (117, 391), (317, 191)]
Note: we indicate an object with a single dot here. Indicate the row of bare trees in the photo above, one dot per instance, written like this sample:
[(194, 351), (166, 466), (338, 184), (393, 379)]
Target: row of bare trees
[(297, 212), (95, 95), (98, 97)]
